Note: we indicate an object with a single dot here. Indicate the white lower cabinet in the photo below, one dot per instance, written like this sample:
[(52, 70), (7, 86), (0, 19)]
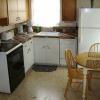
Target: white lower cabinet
[(46, 50), (28, 54), (67, 44), (51, 50)]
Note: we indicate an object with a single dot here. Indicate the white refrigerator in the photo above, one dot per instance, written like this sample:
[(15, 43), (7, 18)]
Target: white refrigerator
[(88, 28)]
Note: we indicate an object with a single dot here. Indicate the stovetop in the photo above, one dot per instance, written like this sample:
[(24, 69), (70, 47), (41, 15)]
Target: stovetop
[(7, 45)]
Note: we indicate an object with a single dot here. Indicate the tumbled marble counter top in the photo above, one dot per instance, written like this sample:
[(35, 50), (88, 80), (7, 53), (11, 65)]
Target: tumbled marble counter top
[(54, 35), (25, 37)]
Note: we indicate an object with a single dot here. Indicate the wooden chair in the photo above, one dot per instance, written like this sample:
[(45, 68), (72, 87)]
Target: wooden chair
[(73, 71), (94, 52)]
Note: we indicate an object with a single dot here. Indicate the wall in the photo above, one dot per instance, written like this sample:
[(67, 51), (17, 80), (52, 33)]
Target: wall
[(97, 3), (86, 4)]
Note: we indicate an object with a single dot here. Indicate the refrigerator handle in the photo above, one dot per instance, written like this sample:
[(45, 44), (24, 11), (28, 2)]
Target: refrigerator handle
[(79, 37)]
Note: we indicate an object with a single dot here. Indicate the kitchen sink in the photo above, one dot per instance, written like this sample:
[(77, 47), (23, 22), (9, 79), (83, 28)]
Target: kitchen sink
[(47, 34)]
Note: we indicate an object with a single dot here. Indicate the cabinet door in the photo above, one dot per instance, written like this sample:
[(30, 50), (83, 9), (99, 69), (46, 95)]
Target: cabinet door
[(23, 10), (3, 13), (39, 50), (26, 57), (67, 44), (22, 16), (28, 54), (31, 52), (21, 5), (12, 17), (3, 8), (68, 10), (12, 11), (52, 51), (17, 11), (12, 5)]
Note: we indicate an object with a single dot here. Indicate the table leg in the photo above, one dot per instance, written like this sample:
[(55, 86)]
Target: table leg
[(84, 83)]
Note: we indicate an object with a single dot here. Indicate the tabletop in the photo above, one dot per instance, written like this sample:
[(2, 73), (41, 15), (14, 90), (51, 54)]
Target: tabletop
[(87, 61)]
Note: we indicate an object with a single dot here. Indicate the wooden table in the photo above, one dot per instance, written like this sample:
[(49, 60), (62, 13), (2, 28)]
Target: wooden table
[(82, 60)]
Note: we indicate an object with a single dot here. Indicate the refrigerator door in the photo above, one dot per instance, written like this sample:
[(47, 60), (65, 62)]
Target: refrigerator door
[(86, 38), (89, 18)]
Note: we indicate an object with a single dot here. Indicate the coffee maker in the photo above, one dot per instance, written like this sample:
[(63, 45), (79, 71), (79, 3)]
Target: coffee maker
[(20, 28), (29, 24)]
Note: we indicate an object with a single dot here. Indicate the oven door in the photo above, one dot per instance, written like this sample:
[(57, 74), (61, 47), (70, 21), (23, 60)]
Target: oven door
[(15, 67)]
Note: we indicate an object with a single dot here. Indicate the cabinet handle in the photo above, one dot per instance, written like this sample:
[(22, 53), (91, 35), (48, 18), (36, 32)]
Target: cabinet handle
[(25, 45), (43, 46), (28, 50), (48, 47)]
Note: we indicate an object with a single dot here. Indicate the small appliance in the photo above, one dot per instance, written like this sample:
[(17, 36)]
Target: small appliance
[(7, 35), (20, 29), (29, 24)]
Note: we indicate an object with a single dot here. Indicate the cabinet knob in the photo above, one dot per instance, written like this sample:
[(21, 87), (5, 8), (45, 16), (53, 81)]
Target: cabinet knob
[(43, 46), (48, 47)]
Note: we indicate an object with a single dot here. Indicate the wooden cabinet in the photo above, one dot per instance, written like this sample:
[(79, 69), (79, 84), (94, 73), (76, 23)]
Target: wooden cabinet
[(68, 10), (28, 54), (3, 12), (46, 50), (67, 44), (23, 10), (12, 11), (15, 11), (3, 9)]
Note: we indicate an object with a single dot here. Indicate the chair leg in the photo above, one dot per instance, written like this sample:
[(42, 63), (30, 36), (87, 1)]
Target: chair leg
[(68, 84), (89, 81)]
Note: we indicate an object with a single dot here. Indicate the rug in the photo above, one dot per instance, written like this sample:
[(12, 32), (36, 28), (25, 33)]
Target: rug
[(44, 68)]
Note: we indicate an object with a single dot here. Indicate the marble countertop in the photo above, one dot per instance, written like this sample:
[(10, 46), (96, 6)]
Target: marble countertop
[(55, 35), (24, 37)]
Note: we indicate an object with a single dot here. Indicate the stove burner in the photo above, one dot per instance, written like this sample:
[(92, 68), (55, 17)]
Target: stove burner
[(7, 45)]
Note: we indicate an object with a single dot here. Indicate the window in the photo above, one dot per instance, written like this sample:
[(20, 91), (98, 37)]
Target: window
[(46, 13)]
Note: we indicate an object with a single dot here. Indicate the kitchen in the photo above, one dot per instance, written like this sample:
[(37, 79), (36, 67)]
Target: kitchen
[(45, 48)]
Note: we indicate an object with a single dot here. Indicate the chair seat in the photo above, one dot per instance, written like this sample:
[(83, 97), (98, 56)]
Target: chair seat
[(76, 73)]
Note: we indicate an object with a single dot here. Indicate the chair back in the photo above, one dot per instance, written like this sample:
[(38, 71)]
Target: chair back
[(94, 50), (69, 59), (94, 53)]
